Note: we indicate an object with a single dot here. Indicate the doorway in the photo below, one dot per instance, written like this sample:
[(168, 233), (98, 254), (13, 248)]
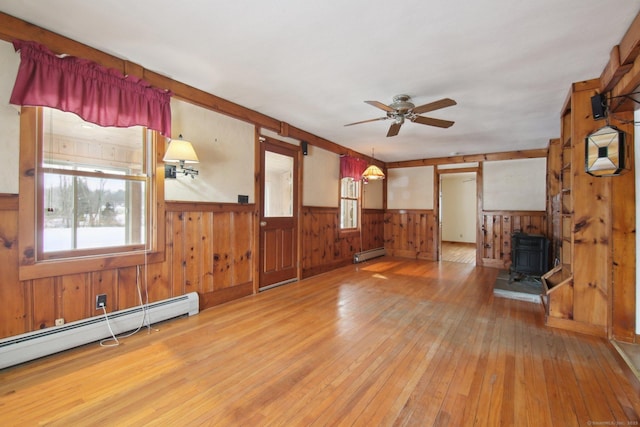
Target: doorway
[(278, 214), (458, 216)]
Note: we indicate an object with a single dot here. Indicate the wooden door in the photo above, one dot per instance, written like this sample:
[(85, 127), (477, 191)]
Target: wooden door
[(278, 214)]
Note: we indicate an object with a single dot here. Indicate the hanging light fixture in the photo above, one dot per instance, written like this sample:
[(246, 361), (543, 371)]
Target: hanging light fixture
[(181, 152), (605, 153), (373, 172)]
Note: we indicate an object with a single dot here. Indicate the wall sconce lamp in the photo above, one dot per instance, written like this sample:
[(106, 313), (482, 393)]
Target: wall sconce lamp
[(605, 153), (372, 172), (181, 152)]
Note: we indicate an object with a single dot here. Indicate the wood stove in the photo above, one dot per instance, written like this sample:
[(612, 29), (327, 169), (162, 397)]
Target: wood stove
[(529, 254)]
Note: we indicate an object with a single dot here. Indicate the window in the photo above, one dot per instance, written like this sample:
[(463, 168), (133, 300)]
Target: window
[(92, 194), (349, 204)]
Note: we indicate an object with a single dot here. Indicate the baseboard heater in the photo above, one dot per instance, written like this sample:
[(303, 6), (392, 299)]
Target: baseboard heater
[(367, 255), (32, 345)]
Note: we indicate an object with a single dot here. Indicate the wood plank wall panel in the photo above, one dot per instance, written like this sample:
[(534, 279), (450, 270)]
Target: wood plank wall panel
[(221, 265), (12, 294), (372, 229), (411, 234), (128, 295), (209, 250), (73, 288), (592, 220), (497, 228), (212, 249), (324, 247), (624, 243), (242, 233), (43, 303)]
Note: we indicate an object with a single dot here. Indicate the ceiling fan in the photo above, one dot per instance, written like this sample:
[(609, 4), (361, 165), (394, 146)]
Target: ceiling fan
[(401, 108)]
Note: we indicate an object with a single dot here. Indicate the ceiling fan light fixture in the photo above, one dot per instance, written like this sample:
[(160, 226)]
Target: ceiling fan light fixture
[(402, 108)]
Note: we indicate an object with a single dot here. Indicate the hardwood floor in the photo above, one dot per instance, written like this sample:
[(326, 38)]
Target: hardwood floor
[(459, 252), (388, 342)]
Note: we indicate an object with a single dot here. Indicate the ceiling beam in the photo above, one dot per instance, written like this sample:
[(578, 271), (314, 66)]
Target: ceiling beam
[(621, 75), (507, 155)]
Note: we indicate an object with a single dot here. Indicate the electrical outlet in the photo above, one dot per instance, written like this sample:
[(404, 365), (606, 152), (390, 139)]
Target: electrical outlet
[(101, 301), (59, 322)]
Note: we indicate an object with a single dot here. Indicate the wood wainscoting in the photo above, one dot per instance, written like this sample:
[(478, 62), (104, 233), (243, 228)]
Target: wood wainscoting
[(209, 250), (411, 233), (324, 247), (496, 229)]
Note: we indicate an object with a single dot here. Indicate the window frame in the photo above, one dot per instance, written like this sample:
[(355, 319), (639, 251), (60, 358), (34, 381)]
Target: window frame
[(30, 226), (358, 201)]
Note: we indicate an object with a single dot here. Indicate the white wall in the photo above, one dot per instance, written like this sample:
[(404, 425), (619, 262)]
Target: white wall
[(459, 207), (225, 147), (9, 120), (321, 178), (373, 194), (410, 188), (515, 185)]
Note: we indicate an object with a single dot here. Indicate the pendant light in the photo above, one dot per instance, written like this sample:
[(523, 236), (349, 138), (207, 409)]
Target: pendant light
[(373, 172)]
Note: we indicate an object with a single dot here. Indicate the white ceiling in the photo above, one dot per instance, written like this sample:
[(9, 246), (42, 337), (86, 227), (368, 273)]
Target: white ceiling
[(508, 64)]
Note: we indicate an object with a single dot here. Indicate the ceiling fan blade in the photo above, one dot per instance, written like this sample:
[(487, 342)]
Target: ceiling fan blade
[(436, 105), (394, 129), (432, 122), (381, 106), (367, 121)]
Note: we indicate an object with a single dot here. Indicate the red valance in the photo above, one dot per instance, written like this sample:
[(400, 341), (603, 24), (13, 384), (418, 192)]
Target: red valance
[(95, 93), (352, 167)]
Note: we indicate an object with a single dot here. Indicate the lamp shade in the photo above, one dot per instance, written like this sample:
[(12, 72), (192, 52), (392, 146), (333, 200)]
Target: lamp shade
[(373, 172), (605, 152), (180, 151)]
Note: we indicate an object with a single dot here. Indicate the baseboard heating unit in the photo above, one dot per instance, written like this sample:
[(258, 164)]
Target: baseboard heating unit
[(367, 255), (32, 345)]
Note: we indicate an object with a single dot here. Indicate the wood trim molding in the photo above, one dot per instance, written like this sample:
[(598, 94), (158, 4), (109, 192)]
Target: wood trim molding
[(514, 212), (327, 209), (220, 296), (405, 211), (458, 170), (508, 155), (179, 206), (576, 326), (8, 202)]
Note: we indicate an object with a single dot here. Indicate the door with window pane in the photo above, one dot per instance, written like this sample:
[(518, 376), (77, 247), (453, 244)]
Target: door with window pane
[(278, 219)]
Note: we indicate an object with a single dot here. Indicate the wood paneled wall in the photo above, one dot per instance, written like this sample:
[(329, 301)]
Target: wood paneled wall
[(13, 311), (325, 247), (209, 250), (497, 228), (411, 234)]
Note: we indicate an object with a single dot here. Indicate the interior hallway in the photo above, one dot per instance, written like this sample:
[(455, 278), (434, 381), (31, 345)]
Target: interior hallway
[(459, 252)]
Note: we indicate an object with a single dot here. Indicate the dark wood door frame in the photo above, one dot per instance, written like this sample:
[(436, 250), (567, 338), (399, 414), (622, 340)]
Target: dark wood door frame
[(279, 231), (437, 192)]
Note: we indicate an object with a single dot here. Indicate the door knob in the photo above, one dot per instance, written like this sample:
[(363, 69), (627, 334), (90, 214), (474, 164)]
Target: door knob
[(263, 223)]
